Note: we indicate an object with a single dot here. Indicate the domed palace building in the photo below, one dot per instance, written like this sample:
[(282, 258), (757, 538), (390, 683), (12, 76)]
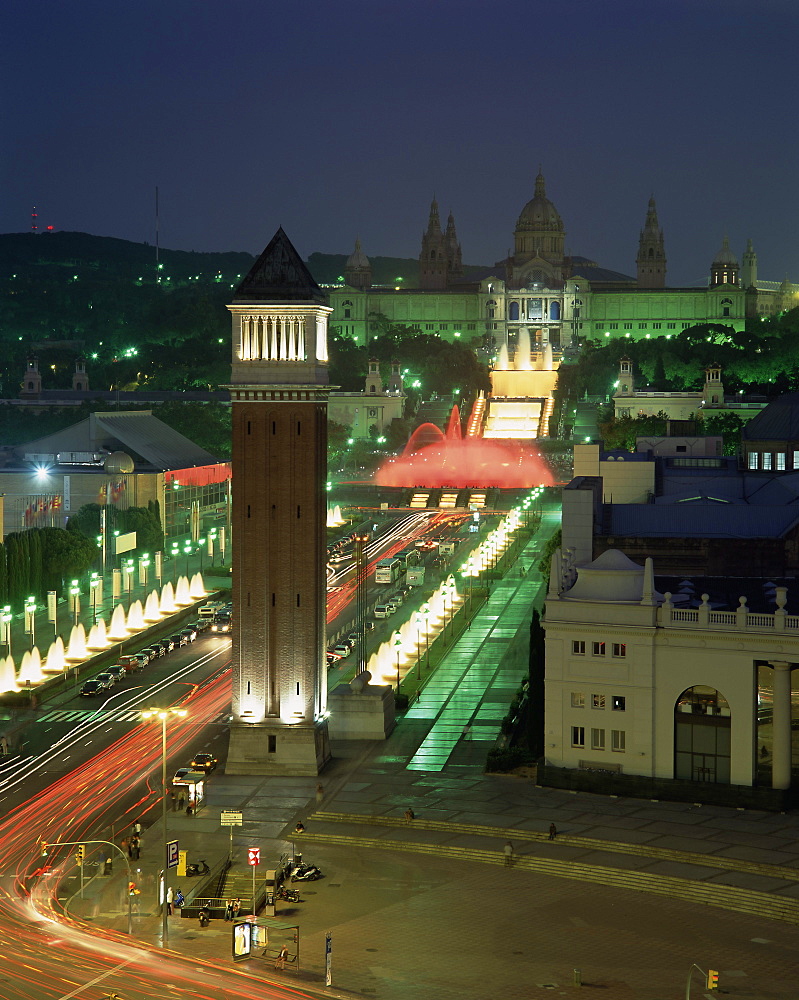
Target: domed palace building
[(561, 299)]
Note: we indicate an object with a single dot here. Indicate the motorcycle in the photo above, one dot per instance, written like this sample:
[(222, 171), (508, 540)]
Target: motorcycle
[(290, 895), (198, 868), (306, 873), (204, 917)]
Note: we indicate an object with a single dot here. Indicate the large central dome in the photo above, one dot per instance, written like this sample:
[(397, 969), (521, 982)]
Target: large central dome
[(539, 213)]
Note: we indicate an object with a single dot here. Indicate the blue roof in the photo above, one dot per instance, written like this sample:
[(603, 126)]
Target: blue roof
[(701, 520)]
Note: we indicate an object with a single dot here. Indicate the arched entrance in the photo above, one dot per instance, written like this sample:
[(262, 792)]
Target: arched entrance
[(702, 723)]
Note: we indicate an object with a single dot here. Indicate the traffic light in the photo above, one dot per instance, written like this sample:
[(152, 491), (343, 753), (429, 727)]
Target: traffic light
[(81, 853), (712, 979), (43, 848)]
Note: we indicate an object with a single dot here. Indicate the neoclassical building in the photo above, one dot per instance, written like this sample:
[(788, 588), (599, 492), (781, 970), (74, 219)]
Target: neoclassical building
[(559, 298)]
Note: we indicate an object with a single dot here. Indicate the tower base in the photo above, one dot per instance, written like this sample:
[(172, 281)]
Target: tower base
[(275, 748), (361, 712)]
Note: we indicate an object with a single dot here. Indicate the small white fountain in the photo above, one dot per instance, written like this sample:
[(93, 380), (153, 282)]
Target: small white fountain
[(76, 650), (152, 609), (8, 675), (97, 636), (30, 671), (182, 594), (136, 617), (118, 628), (168, 599), (197, 589), (55, 660)]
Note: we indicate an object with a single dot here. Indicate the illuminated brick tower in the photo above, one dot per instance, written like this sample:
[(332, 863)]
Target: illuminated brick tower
[(279, 394)]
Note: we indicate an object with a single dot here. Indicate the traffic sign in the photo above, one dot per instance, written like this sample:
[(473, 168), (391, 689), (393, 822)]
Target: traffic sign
[(172, 854), (253, 855), (230, 818)]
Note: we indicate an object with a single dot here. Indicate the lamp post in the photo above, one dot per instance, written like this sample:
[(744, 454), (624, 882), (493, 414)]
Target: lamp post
[(74, 594), (398, 648), (6, 619), (212, 545), (174, 553), (30, 619), (163, 714), (201, 542), (417, 620), (94, 584), (187, 552), (144, 569), (426, 617), (128, 571)]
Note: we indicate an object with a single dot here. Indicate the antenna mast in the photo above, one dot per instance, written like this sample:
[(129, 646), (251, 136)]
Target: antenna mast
[(157, 247), (34, 223)]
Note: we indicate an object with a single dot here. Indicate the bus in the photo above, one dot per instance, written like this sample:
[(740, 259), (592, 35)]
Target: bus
[(408, 557), (388, 570)]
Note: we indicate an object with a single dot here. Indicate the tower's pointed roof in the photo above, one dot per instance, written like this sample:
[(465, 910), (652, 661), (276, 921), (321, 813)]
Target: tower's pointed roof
[(279, 275)]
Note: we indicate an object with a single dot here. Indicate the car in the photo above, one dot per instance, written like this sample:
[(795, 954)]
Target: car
[(169, 642), (354, 636), (143, 659), (91, 688), (144, 654), (190, 632), (222, 623), (179, 639), (202, 625), (151, 652), (181, 773), (332, 658), (130, 662), (161, 648), (369, 626), (384, 610), (117, 672), (107, 680), (342, 649), (204, 762)]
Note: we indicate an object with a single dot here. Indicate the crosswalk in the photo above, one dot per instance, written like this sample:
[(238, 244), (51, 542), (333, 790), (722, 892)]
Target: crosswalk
[(78, 715)]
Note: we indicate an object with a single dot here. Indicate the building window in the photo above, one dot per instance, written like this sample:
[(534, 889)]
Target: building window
[(753, 459), (471, 326), (598, 648), (642, 326), (430, 326), (780, 461), (613, 326), (578, 736), (619, 648), (617, 740), (767, 460), (628, 326), (597, 701), (578, 647), (597, 739), (578, 699), (671, 326), (443, 326), (618, 702), (656, 326), (796, 460)]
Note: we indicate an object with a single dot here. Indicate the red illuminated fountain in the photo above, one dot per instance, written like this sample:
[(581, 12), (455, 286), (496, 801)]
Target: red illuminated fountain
[(437, 460)]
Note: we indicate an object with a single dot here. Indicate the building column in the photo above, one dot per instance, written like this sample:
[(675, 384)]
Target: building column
[(781, 726)]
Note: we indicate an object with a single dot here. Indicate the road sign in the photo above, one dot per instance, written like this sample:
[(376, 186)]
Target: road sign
[(328, 959), (230, 818), (172, 854), (253, 856)]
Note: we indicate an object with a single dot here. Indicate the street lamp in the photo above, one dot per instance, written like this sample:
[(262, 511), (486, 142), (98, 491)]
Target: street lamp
[(418, 620), (74, 594), (163, 714), (398, 647), (6, 619), (94, 584), (128, 570), (426, 617), (30, 619), (212, 545), (201, 542), (144, 569), (174, 553), (187, 552)]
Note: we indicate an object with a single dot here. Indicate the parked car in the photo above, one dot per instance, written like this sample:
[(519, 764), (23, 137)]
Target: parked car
[(202, 625), (91, 688), (130, 662), (342, 649), (179, 639), (169, 642), (106, 680), (384, 610), (204, 762), (353, 636), (332, 658), (151, 652), (222, 622), (369, 626), (190, 632), (143, 659), (116, 672), (160, 647)]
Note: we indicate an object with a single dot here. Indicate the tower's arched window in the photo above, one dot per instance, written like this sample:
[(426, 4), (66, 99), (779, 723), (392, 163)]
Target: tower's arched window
[(347, 306), (513, 314), (554, 310), (491, 309)]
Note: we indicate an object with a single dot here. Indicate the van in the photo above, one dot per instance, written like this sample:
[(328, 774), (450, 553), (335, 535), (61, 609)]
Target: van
[(209, 610), (130, 663), (384, 610)]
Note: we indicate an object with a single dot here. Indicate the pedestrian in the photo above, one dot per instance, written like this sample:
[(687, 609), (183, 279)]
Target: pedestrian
[(236, 908), (4, 745), (282, 956), (320, 794), (410, 815), (101, 862), (137, 828), (508, 850), (136, 845), (181, 802), (169, 898), (173, 800), (125, 845), (553, 831), (300, 827), (229, 910)]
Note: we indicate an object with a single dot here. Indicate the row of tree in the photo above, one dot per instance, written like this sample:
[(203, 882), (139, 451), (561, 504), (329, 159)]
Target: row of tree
[(42, 559)]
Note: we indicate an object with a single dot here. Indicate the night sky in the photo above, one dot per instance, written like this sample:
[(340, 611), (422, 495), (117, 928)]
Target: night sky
[(343, 119)]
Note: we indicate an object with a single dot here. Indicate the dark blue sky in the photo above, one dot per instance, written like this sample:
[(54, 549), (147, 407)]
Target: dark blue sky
[(339, 119)]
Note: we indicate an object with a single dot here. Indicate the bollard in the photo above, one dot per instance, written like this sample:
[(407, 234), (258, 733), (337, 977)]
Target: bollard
[(578, 978)]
